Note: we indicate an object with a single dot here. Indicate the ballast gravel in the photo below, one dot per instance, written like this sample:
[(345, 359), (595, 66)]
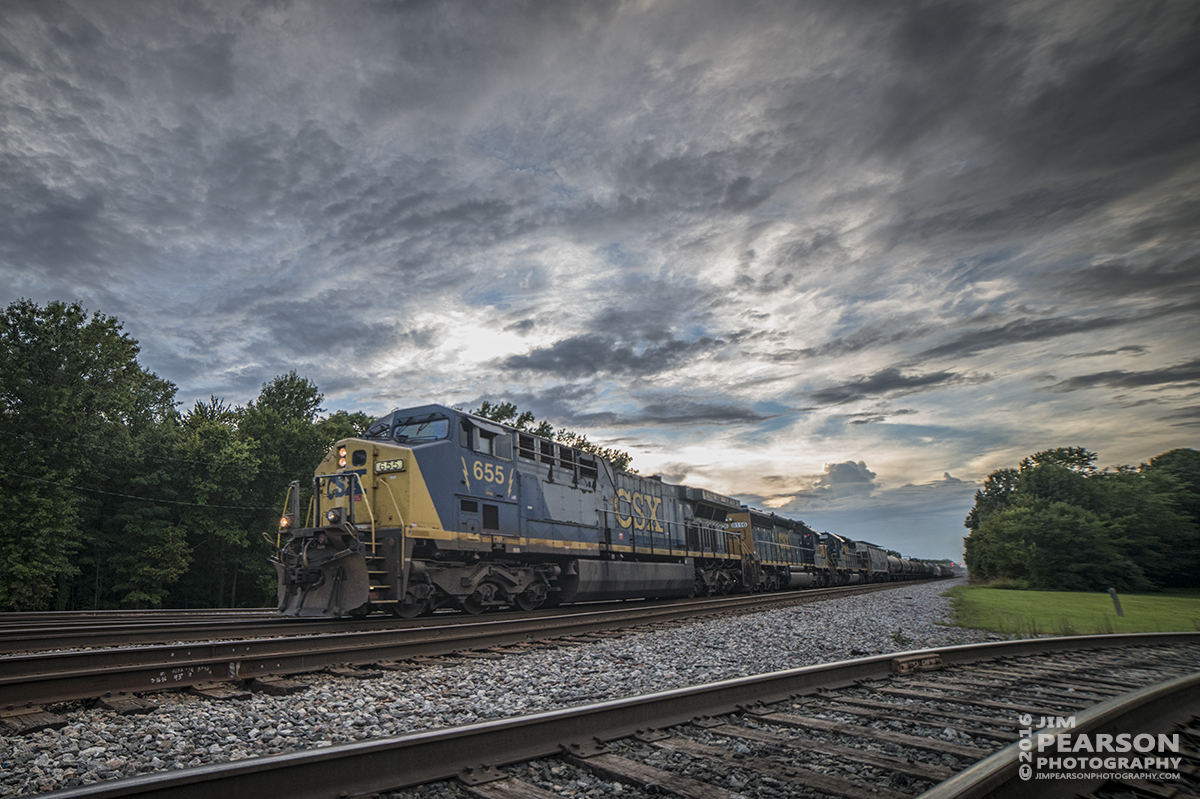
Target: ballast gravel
[(188, 730)]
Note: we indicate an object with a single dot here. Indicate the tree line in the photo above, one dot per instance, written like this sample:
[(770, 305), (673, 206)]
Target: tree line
[(1058, 522), (112, 497)]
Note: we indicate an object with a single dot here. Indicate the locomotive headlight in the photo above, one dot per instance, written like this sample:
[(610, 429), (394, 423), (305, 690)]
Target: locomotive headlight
[(285, 522), (342, 457)]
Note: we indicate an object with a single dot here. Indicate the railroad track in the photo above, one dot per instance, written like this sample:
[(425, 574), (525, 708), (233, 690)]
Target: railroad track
[(940, 723), (31, 680), (33, 632)]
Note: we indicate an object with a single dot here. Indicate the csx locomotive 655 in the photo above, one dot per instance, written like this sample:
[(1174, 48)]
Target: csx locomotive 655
[(434, 507)]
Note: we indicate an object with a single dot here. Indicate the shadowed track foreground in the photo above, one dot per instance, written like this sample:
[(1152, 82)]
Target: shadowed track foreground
[(851, 729)]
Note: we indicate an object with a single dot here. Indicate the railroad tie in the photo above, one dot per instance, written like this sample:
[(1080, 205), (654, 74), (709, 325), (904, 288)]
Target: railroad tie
[(943, 720), (973, 753), (1073, 700), (510, 788), (615, 767), (986, 721), (1015, 708), (912, 768), (277, 686), (1018, 675), (219, 691), (23, 721), (810, 778)]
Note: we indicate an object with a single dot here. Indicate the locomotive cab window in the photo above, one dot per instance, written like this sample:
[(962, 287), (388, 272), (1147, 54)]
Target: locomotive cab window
[(410, 429)]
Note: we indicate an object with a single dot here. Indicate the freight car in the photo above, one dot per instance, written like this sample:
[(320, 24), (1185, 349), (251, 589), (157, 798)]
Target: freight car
[(434, 507)]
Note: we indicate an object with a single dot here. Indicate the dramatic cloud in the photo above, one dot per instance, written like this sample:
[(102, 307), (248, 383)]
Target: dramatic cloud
[(1019, 331), (887, 382), (726, 237), (1185, 374), (593, 355), (849, 477)]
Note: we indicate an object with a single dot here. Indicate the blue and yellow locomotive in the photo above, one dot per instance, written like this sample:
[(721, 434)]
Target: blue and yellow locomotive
[(434, 507)]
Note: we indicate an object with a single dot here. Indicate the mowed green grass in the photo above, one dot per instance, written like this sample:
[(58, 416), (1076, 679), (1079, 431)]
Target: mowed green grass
[(1070, 613)]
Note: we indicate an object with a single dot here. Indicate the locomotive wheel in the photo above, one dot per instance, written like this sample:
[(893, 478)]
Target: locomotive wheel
[(485, 596), (411, 607), (532, 597)]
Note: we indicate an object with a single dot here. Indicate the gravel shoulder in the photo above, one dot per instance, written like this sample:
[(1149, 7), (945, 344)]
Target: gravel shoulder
[(188, 730)]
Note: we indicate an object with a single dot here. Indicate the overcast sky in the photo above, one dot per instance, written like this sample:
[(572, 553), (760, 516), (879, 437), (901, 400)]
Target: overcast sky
[(840, 259)]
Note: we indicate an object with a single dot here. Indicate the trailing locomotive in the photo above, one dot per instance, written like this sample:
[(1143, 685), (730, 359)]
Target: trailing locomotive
[(434, 507)]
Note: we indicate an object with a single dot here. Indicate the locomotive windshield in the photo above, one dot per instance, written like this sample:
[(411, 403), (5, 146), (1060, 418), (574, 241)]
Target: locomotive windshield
[(410, 430)]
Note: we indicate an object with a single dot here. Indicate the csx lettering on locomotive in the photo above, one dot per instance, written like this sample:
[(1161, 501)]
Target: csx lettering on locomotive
[(645, 510)]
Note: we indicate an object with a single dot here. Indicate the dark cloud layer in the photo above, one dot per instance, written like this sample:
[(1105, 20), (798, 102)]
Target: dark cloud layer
[(1184, 374), (642, 220), (1016, 332), (887, 382), (591, 355)]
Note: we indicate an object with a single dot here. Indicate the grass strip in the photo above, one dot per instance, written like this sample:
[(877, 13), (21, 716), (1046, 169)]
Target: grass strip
[(1070, 613)]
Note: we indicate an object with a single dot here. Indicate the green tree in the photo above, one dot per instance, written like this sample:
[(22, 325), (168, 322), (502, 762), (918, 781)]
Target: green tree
[(222, 518), (998, 489), (71, 392), (1150, 523), (1053, 546), (343, 424), (215, 410), (133, 551), (1057, 522), (1077, 459), (1184, 466), (507, 413)]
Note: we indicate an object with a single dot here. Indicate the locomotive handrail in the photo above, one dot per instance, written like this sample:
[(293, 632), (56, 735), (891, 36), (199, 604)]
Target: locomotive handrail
[(402, 576), (396, 505), (370, 512)]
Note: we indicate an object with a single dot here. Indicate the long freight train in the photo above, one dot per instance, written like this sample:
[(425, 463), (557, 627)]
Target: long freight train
[(434, 507)]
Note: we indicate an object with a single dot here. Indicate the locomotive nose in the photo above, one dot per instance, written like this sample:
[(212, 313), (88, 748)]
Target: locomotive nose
[(322, 572)]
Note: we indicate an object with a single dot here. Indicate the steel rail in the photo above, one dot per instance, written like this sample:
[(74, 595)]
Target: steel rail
[(119, 631), (125, 630), (40, 616), (38, 679), (388, 764), (156, 631)]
